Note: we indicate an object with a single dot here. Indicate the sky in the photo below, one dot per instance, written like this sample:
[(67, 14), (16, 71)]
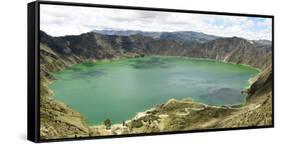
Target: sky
[(73, 20)]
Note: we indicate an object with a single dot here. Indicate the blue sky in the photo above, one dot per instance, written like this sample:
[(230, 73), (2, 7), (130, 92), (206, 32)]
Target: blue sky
[(259, 20), (70, 20), (258, 24)]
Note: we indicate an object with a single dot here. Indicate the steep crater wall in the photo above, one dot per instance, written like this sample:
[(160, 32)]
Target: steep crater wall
[(57, 53)]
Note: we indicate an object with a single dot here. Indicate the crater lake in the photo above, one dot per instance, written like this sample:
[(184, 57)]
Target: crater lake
[(119, 89)]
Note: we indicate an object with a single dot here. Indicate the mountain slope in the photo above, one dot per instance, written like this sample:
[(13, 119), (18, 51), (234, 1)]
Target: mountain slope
[(97, 46), (263, 44), (57, 53)]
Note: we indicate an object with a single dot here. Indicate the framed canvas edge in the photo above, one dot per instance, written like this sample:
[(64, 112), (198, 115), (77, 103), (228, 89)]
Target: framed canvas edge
[(33, 132), (33, 99)]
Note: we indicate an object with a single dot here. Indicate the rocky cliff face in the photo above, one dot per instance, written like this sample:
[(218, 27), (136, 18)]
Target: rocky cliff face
[(57, 120), (57, 53), (97, 46), (263, 44), (237, 50)]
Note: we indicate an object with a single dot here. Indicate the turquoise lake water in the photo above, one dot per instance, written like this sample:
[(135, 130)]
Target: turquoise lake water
[(119, 89)]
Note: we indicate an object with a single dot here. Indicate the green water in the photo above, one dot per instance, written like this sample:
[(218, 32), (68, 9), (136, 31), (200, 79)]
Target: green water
[(119, 89)]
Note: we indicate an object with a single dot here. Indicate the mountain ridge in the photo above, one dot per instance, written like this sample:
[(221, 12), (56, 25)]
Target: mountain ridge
[(60, 121), (93, 45), (179, 36)]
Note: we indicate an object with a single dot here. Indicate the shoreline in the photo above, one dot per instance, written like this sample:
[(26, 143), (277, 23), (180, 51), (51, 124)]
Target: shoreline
[(190, 58), (213, 60)]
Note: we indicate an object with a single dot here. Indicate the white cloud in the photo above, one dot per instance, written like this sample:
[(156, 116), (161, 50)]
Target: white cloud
[(73, 20)]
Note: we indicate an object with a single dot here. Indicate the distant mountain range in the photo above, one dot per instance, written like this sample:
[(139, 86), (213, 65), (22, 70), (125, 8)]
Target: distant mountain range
[(179, 36)]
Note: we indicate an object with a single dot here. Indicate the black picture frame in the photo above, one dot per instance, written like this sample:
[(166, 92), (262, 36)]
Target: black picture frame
[(33, 106)]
